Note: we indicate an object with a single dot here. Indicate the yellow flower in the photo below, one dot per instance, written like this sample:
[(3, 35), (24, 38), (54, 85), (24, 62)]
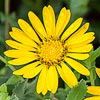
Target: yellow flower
[(44, 50), (98, 71), (94, 90)]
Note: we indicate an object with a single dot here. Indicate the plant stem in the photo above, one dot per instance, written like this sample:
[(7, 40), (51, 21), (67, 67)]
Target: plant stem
[(92, 78), (52, 97), (7, 9), (10, 66)]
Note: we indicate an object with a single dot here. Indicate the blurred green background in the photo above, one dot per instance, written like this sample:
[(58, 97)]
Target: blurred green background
[(12, 10)]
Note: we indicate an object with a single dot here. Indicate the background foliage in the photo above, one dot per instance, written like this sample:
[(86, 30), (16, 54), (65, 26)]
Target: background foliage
[(15, 87)]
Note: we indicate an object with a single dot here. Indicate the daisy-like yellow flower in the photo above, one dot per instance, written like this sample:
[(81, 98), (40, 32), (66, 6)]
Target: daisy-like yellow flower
[(47, 50), (98, 71), (94, 90)]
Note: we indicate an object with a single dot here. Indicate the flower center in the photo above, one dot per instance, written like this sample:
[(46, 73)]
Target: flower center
[(51, 52)]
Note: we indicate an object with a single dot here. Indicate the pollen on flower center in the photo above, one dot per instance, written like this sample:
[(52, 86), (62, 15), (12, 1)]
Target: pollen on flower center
[(51, 52)]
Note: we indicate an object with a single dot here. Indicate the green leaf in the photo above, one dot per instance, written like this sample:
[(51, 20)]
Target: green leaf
[(20, 90), (91, 65), (3, 92), (33, 97), (30, 91), (31, 87), (78, 92), (61, 94), (8, 98), (14, 79), (95, 54), (3, 88)]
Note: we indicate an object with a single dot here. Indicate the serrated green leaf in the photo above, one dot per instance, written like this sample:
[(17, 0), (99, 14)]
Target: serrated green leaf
[(78, 92), (61, 94), (20, 90), (3, 92), (95, 54), (31, 87), (30, 92), (91, 65), (14, 79), (3, 96), (3, 88), (8, 98)]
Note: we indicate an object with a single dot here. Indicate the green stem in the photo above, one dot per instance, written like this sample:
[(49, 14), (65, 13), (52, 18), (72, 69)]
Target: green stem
[(7, 8), (10, 66), (92, 78), (52, 97)]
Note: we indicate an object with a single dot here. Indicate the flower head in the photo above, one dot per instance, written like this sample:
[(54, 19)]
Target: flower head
[(94, 90), (47, 50)]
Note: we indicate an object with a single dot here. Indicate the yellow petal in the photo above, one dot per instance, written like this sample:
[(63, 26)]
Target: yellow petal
[(18, 53), (44, 90), (80, 39), (49, 20), (55, 84), (20, 46), (67, 75), (37, 25), (72, 28), (41, 84), (95, 90), (98, 71), (23, 60), (88, 41), (62, 21), (28, 30), (21, 37), (77, 66), (32, 73), (80, 44), (93, 98), (26, 68), (63, 76), (78, 56), (80, 48), (15, 29), (80, 31), (51, 79)]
